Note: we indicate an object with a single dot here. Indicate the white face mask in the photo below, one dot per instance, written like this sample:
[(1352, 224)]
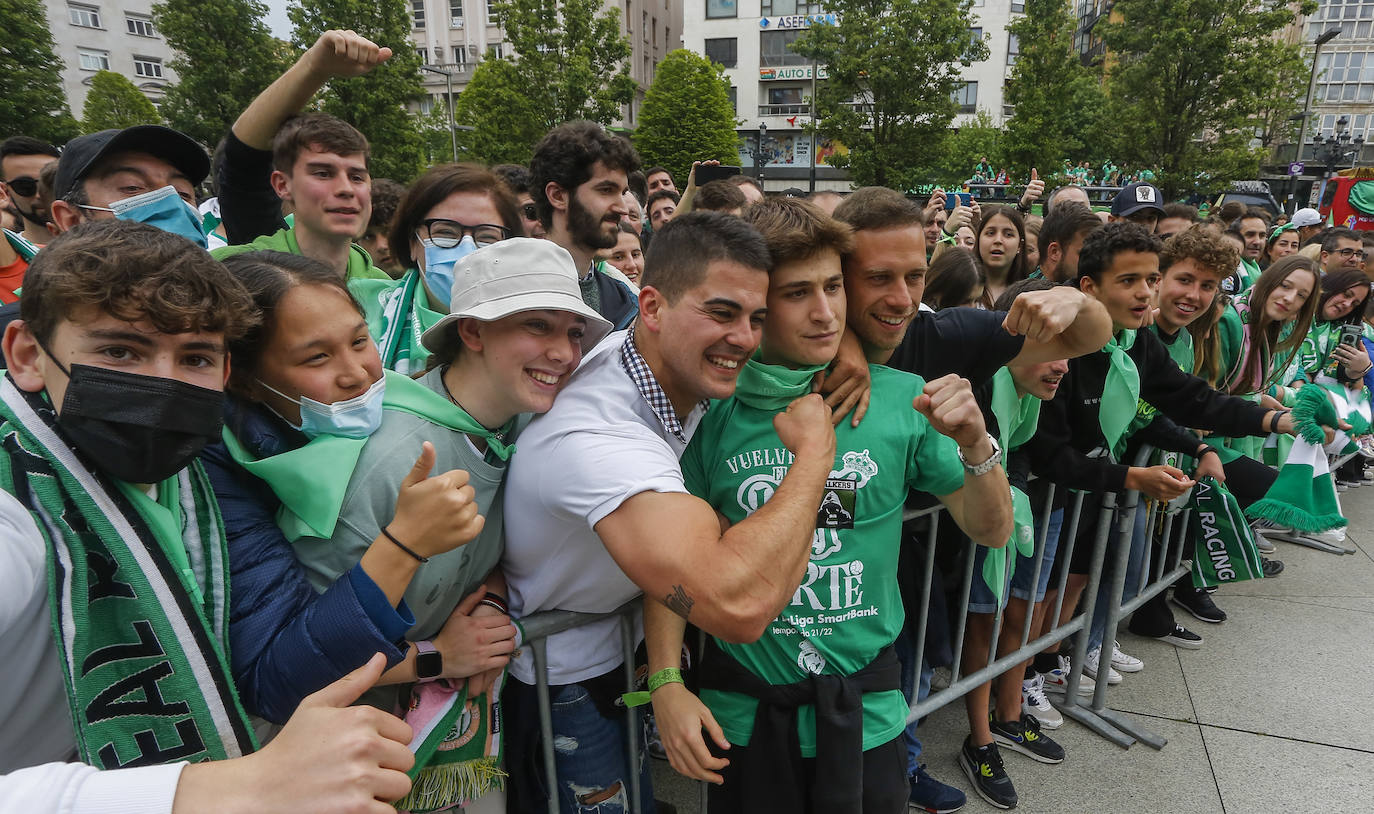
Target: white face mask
[(357, 417)]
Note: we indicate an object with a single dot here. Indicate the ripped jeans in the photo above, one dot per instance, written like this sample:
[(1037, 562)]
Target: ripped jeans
[(589, 752)]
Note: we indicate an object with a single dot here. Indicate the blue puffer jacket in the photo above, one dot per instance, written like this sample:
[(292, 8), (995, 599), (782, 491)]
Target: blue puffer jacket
[(286, 640)]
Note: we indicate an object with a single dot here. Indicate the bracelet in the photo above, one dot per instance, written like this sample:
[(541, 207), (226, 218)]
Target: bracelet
[(491, 604), (403, 546), (668, 675), (497, 601)]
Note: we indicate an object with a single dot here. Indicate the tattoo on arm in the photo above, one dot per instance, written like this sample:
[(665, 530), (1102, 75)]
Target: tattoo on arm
[(679, 602)]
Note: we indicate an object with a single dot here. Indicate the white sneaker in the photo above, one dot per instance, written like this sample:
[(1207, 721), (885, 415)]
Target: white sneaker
[(1057, 680), (1123, 662), (1269, 527), (1035, 704), (1263, 545), (1090, 667)]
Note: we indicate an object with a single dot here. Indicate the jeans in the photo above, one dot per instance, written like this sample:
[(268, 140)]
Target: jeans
[(589, 752), (1021, 587), (1135, 562)]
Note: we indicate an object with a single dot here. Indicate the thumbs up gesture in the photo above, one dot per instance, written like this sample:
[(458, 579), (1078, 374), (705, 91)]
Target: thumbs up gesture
[(435, 513), (1034, 190)]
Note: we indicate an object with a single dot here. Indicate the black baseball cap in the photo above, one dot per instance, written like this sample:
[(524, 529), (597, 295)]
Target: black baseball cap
[(1135, 197), (81, 154)]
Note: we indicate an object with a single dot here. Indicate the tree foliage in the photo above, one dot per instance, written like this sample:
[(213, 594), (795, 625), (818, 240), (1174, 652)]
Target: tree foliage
[(32, 101), (1059, 102), (966, 146), (571, 62), (506, 123), (1187, 83), (114, 102), (224, 56), (375, 102), (900, 60), (687, 115), (1281, 103)]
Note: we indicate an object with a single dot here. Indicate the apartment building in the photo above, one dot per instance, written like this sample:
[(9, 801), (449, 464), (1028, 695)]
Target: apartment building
[(453, 36), (96, 35), (772, 86)]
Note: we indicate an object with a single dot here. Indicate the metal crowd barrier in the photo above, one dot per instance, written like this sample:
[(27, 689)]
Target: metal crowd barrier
[(1116, 520)]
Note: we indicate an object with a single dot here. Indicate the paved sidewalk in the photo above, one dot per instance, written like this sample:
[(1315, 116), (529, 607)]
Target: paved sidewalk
[(1274, 713)]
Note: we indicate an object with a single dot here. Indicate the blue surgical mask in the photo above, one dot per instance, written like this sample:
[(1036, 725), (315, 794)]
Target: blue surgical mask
[(357, 417), (439, 263), (163, 208)]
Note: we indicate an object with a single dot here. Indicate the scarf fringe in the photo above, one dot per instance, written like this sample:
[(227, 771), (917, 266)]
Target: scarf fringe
[(1286, 514), (453, 784)]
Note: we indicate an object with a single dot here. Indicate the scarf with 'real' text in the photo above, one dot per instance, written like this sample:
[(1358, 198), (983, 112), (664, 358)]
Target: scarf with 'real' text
[(139, 593)]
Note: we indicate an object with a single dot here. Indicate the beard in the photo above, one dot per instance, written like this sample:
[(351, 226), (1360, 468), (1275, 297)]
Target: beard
[(38, 215), (588, 230)]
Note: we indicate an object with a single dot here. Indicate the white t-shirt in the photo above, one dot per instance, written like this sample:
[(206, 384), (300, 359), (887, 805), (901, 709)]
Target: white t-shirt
[(36, 733), (600, 445)]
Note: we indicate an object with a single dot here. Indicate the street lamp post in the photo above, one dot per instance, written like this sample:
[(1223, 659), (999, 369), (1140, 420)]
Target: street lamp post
[(759, 154), (448, 81), (1335, 150), (1327, 36)]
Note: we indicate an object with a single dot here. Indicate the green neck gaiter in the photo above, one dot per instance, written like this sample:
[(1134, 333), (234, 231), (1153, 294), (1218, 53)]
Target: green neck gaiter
[(773, 387)]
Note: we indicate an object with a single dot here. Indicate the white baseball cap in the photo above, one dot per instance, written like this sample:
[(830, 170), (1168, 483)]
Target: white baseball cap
[(1306, 216), (519, 274)]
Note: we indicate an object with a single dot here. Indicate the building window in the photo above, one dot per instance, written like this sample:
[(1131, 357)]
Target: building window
[(967, 97), (455, 13), (1013, 48), (1018, 8), (460, 55), (423, 55), (723, 51), (417, 8), (139, 26), (975, 34), (93, 60), (786, 8), (492, 17), (775, 49), (497, 50), (149, 67), (654, 29), (84, 16), (720, 8), (734, 99)]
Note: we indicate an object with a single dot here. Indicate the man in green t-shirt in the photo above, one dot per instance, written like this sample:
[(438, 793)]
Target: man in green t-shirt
[(315, 163), (811, 714)]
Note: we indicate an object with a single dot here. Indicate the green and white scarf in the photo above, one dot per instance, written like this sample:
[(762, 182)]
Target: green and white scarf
[(1303, 496), (311, 481), (139, 594), (398, 314), (21, 245), (1017, 418), (457, 743)]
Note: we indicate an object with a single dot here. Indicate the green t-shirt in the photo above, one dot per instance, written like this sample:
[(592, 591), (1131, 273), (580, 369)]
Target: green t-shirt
[(848, 607), (284, 240)]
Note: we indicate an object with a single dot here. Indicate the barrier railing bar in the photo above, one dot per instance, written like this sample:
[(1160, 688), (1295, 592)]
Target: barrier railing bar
[(923, 614), (541, 682), (632, 730)]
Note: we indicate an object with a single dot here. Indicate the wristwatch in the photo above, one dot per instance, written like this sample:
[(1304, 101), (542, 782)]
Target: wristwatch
[(986, 466), (429, 662)]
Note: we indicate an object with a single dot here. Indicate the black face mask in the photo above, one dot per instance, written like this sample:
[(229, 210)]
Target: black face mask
[(140, 429)]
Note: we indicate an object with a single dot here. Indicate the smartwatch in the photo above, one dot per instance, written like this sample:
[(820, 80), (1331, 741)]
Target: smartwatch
[(429, 662)]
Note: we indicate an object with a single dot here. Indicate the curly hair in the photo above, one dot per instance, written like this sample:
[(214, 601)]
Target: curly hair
[(1102, 246), (566, 155), (1206, 249), (136, 273)]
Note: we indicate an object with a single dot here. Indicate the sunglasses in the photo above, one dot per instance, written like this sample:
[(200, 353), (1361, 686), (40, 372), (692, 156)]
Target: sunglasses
[(24, 186)]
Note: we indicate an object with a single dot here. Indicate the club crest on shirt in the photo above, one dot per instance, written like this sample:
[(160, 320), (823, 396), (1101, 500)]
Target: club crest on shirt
[(809, 659)]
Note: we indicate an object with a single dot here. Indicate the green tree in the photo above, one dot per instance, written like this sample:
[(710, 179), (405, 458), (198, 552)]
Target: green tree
[(113, 101), (1059, 102), (571, 61), (375, 102), (506, 123), (435, 133), (893, 66), (32, 101), (1281, 103), (1184, 82), (687, 115), (967, 144), (209, 36)]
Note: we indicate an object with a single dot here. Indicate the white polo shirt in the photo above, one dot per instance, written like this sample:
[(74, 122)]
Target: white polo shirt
[(602, 443)]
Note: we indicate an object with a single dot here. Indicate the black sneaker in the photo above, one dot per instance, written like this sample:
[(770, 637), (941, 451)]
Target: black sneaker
[(1200, 605), (983, 767), (1271, 568), (1024, 736), (1181, 637)]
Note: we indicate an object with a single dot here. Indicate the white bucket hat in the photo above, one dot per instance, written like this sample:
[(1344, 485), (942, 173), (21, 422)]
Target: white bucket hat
[(519, 274)]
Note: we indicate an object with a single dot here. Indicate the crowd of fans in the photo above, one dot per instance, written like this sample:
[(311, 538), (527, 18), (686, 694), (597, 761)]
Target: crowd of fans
[(285, 467)]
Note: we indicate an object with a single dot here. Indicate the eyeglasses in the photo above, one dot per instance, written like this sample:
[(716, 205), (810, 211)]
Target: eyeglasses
[(24, 186), (529, 212), (448, 233), (1348, 252)]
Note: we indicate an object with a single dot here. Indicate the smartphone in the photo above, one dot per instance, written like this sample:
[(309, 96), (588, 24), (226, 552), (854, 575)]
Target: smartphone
[(1350, 335), (706, 173), (958, 198)]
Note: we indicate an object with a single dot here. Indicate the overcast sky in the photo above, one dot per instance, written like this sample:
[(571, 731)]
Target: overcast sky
[(276, 19)]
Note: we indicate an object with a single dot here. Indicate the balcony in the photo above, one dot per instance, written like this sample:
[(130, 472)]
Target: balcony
[(462, 72), (784, 110)]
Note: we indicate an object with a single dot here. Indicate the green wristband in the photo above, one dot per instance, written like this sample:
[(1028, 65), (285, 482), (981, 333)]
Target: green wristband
[(668, 675)]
